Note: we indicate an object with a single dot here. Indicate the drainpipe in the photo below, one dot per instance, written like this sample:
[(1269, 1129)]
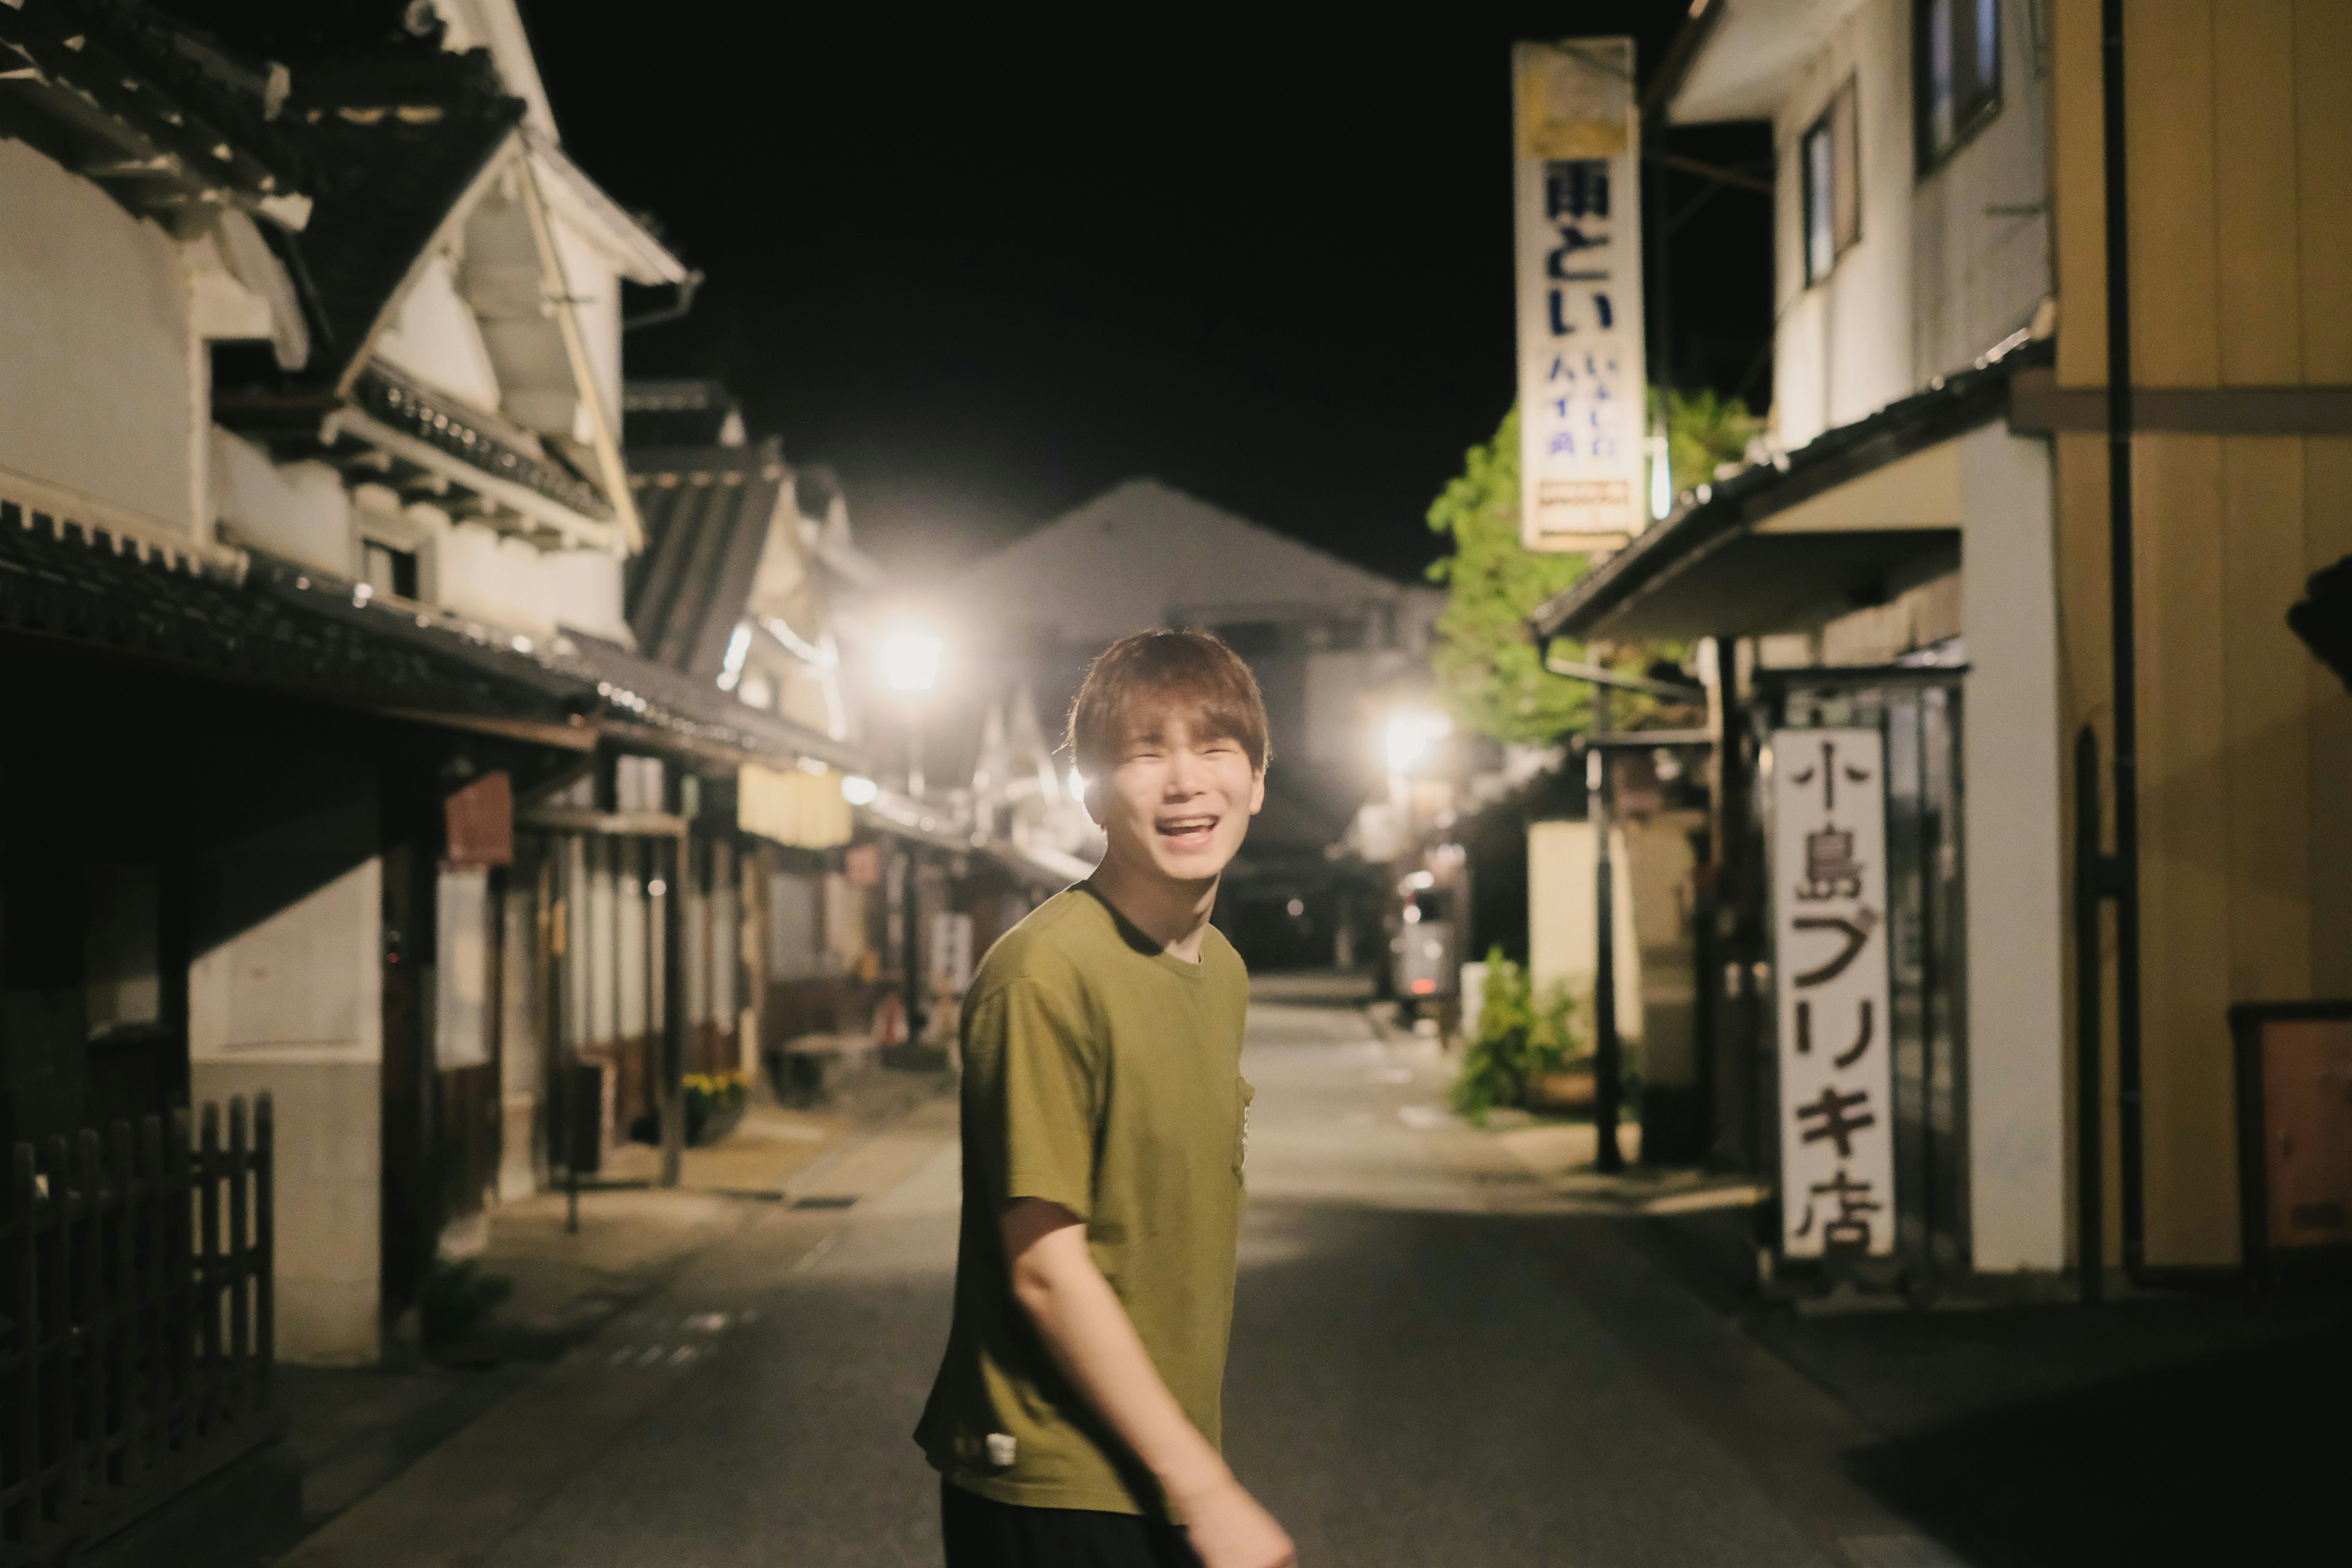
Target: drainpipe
[(1608, 1081), (2126, 881)]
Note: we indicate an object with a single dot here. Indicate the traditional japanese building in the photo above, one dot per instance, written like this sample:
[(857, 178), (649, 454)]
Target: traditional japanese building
[(1921, 560)]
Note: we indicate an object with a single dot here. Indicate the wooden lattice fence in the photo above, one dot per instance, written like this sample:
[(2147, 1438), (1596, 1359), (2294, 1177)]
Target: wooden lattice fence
[(135, 1322)]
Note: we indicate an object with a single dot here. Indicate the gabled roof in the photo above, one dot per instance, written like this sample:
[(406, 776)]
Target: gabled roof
[(398, 140), (708, 512), (1144, 553)]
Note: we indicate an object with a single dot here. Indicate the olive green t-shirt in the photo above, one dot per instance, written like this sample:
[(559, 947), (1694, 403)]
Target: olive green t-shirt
[(1103, 1074)]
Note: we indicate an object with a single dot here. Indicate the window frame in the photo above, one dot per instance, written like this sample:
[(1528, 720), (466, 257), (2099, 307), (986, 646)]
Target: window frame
[(1842, 114), (1971, 115)]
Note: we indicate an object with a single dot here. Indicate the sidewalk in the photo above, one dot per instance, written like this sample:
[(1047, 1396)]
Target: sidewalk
[(2004, 1420), (353, 1430)]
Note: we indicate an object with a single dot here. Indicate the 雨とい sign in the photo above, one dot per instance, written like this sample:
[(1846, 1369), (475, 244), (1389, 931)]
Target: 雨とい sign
[(1829, 928), (1581, 380)]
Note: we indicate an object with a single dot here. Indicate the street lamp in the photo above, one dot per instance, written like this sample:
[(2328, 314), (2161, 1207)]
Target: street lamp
[(1412, 731), (910, 664), (910, 661)]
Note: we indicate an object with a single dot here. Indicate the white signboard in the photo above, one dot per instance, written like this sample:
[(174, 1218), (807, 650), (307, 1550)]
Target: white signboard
[(1581, 389), (1829, 919)]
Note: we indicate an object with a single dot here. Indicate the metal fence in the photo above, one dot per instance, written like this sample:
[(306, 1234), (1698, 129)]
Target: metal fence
[(135, 1322)]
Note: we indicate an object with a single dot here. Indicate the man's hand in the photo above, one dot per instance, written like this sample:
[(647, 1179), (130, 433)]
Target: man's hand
[(1228, 1530), (1087, 1330)]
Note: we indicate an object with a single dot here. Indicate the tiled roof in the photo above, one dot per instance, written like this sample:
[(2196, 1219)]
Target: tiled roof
[(271, 626), (707, 513), (665, 707), (161, 117), (467, 434), (306, 634), (395, 142)]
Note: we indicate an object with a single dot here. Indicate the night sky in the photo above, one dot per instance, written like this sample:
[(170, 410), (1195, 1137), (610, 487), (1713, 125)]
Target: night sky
[(986, 271)]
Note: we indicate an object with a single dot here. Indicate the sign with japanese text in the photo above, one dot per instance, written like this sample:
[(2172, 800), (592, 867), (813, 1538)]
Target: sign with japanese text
[(1581, 388), (1829, 919)]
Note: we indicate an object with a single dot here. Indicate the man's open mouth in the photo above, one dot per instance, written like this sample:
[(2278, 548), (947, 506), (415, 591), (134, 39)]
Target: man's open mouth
[(1187, 832)]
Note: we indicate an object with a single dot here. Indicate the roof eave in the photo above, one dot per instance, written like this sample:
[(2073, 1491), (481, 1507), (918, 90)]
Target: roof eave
[(1950, 407)]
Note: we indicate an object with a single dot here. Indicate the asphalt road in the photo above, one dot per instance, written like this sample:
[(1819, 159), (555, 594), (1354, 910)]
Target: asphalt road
[(1426, 1370)]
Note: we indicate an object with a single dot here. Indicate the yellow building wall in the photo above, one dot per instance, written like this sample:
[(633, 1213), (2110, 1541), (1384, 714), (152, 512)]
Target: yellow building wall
[(2241, 276)]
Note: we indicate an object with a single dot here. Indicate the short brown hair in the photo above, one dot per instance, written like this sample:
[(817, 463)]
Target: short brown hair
[(1188, 669)]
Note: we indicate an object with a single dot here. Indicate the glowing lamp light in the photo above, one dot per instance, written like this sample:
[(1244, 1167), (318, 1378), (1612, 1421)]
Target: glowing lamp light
[(1423, 986), (910, 661), (859, 790), (1412, 733), (1661, 479)]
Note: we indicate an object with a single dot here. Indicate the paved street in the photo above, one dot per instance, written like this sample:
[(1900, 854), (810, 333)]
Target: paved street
[(1428, 1369)]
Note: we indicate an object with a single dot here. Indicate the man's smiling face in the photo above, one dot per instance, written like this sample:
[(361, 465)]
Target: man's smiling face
[(1179, 798)]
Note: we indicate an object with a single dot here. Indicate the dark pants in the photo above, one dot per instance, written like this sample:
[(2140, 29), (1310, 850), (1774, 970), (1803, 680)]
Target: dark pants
[(984, 1533)]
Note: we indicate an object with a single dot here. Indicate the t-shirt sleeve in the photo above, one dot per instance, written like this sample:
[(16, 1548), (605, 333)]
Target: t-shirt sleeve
[(1035, 1098)]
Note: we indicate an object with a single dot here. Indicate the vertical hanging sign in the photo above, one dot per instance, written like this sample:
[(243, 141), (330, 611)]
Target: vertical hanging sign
[(1582, 387), (1829, 919)]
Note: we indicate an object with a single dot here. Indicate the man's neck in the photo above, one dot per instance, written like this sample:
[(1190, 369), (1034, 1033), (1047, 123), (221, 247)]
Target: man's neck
[(1173, 913)]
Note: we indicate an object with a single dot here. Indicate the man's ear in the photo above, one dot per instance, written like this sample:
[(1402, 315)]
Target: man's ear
[(1257, 792)]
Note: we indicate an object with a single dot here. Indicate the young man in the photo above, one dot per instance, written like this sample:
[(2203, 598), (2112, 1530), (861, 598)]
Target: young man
[(1074, 1421)]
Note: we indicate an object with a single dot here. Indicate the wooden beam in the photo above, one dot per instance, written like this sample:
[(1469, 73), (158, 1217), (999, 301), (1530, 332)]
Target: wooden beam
[(572, 737), (2036, 403), (583, 819), (1714, 171)]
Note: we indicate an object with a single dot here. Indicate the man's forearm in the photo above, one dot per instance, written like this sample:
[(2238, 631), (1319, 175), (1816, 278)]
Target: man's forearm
[(1086, 1332)]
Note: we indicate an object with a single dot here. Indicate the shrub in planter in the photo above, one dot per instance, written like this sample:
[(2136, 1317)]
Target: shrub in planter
[(1523, 1042), (714, 1103)]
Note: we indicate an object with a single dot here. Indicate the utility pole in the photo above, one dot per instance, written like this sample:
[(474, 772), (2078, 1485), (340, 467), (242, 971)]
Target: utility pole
[(1608, 1076), (673, 995)]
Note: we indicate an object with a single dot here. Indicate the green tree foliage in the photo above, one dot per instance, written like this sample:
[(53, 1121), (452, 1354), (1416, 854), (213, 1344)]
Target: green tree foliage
[(1703, 432), (1485, 659), (1521, 1039)]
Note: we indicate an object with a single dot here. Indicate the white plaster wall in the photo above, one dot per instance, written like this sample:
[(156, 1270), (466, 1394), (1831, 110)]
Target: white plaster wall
[(1563, 935), (298, 511), (587, 592), (1978, 274), (436, 340), (503, 580), (595, 289), (2016, 990), (1935, 278), (102, 384), (291, 1002), (1842, 348)]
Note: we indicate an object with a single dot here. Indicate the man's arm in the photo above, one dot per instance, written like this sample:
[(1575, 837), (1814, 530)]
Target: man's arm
[(1086, 1332)]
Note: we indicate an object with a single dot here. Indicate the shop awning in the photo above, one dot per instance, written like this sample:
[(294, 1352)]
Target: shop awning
[(1851, 519)]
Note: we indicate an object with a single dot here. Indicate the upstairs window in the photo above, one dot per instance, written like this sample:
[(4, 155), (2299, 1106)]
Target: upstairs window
[(387, 570), (1830, 152), (1955, 49)]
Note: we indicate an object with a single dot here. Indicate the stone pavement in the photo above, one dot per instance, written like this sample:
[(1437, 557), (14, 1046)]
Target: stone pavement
[(353, 1429), (1451, 1348)]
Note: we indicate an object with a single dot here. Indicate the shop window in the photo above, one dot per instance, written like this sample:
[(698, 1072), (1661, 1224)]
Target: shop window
[(1832, 158), (1955, 51)]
